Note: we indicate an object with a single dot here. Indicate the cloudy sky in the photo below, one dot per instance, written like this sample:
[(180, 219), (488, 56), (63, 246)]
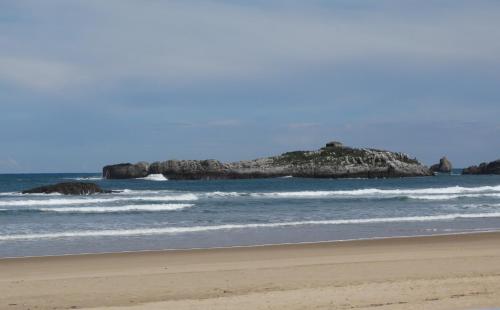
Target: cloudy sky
[(87, 83)]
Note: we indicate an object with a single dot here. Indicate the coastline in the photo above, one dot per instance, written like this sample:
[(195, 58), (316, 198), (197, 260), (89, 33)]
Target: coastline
[(453, 271), (467, 232)]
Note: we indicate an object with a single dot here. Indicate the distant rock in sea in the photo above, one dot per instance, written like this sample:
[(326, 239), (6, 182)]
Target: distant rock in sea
[(332, 161), (67, 188), (484, 168), (126, 171), (444, 166)]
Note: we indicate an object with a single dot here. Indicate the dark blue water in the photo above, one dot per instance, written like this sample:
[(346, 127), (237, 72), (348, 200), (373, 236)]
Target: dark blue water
[(161, 214)]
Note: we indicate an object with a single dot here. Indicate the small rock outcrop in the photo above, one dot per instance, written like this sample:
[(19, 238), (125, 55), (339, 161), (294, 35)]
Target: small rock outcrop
[(484, 168), (67, 188), (333, 144), (444, 166), (332, 161), (126, 171)]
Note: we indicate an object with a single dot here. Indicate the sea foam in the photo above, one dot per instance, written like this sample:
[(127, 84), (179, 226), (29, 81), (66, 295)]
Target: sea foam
[(117, 209), (76, 201), (154, 177), (443, 193), (177, 230)]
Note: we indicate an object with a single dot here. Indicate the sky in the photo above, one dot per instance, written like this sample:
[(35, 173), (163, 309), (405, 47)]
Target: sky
[(86, 83)]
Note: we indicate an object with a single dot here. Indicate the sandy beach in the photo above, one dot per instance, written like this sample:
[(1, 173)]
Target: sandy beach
[(439, 272)]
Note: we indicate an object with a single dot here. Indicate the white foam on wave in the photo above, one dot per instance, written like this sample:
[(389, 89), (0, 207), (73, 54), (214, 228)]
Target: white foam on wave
[(376, 191), (299, 194), (172, 197), (449, 197), (177, 230), (438, 193), (224, 194), (474, 206), (9, 193), (154, 177), (446, 190), (442, 193), (76, 201), (126, 208), (50, 202), (130, 192)]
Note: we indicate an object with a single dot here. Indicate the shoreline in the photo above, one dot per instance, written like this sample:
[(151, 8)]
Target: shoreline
[(486, 231), (453, 271)]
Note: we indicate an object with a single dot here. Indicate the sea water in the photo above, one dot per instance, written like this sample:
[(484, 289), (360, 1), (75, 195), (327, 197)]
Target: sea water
[(154, 213)]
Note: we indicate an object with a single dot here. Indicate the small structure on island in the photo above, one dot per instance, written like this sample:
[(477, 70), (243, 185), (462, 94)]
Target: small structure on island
[(334, 144)]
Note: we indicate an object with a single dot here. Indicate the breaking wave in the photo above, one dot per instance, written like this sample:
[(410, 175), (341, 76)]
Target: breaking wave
[(154, 177), (177, 230), (126, 208), (444, 193), (79, 201), (449, 197)]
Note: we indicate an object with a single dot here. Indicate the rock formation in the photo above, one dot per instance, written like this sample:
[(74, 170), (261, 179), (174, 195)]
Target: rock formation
[(126, 171), (484, 168), (67, 188), (444, 166), (331, 161)]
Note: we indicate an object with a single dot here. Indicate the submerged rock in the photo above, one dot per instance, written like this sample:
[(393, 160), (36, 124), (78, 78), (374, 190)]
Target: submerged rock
[(332, 161), (444, 166), (484, 168), (67, 188)]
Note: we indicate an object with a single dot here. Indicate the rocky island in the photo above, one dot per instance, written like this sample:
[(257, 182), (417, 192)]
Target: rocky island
[(332, 161), (484, 168), (67, 188), (444, 166)]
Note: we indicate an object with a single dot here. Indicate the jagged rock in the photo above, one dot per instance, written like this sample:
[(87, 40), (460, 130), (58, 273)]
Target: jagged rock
[(190, 169), (332, 161), (67, 188), (484, 168), (126, 171), (444, 166)]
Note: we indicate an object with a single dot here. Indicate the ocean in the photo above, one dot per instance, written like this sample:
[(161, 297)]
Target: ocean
[(154, 213)]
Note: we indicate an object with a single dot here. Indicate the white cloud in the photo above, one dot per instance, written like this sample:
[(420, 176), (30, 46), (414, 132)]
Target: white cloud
[(37, 74), (8, 163), (183, 42)]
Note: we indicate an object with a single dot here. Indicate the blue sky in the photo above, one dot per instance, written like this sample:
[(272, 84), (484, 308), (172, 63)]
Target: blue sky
[(88, 83)]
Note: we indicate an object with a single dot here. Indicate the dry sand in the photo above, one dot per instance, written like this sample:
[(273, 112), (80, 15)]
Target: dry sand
[(440, 272)]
